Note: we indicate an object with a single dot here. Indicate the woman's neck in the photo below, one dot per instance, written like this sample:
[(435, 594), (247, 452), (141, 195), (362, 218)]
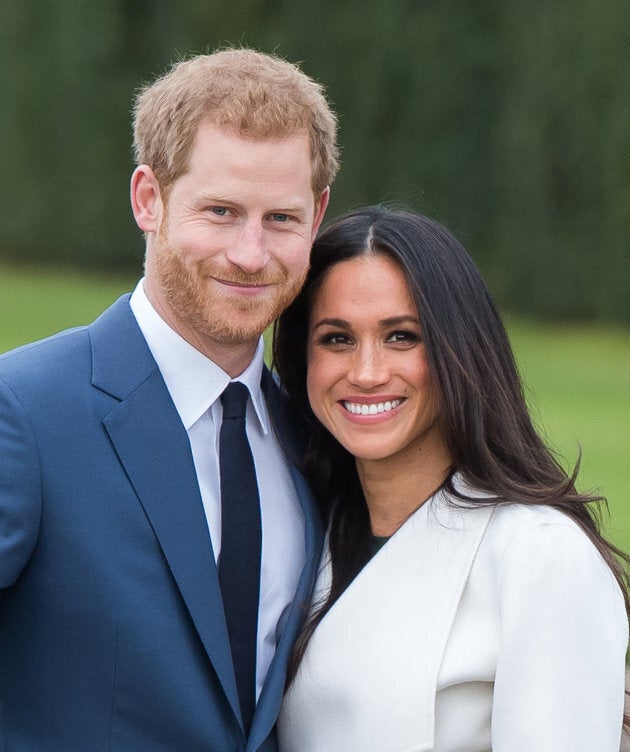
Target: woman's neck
[(394, 490)]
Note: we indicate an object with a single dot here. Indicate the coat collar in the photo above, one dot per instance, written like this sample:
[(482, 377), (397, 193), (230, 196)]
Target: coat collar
[(394, 620)]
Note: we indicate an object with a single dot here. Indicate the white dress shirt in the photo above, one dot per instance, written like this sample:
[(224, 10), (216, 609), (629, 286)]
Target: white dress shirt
[(195, 384)]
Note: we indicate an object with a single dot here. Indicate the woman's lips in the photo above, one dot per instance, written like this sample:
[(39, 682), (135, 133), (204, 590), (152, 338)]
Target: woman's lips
[(373, 407)]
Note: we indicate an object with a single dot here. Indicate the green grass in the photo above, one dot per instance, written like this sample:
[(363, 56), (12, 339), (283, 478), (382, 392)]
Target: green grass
[(577, 377), (37, 302), (578, 387)]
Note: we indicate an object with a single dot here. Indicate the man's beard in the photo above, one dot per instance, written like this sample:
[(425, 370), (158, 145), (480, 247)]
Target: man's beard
[(224, 318)]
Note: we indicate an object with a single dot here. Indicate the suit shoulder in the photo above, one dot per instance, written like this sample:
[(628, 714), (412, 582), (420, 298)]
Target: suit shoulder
[(45, 353), (58, 354)]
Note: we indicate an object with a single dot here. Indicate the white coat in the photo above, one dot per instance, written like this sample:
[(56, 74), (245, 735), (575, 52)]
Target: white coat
[(472, 629)]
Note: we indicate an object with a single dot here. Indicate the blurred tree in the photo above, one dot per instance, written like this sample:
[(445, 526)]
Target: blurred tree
[(561, 226), (74, 66), (510, 122)]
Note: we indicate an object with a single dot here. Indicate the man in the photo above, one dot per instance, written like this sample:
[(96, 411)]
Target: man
[(113, 632)]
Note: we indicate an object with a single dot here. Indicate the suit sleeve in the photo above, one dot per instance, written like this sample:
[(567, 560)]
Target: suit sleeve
[(20, 497), (559, 685)]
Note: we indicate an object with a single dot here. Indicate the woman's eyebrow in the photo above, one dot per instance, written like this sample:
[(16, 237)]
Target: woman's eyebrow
[(396, 320), (332, 322), (391, 321)]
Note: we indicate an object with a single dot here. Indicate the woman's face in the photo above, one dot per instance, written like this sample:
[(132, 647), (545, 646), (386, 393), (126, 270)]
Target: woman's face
[(368, 379)]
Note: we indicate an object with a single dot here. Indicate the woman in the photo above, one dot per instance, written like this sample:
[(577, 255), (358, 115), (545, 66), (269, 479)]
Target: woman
[(466, 600)]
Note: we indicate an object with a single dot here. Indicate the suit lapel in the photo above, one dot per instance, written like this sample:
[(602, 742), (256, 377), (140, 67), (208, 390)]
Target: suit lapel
[(154, 449), (271, 695)]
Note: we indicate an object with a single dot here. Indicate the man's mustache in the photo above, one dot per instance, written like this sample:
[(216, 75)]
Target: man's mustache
[(236, 276)]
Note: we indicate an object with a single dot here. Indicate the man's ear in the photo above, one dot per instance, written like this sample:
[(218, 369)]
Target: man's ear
[(320, 209), (146, 199)]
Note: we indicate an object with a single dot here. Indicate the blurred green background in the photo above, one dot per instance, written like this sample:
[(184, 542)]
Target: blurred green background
[(507, 121)]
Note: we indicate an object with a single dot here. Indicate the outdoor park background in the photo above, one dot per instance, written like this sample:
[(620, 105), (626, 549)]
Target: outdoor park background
[(507, 121)]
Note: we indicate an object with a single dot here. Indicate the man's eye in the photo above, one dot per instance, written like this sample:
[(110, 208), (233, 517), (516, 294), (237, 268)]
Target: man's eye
[(220, 211), (280, 217)]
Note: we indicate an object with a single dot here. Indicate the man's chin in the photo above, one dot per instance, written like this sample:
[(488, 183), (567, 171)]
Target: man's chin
[(238, 331)]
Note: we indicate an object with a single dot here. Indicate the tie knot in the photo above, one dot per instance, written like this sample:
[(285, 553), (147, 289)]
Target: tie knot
[(234, 400)]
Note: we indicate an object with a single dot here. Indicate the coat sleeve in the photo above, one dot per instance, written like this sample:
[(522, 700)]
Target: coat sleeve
[(559, 684), (20, 498)]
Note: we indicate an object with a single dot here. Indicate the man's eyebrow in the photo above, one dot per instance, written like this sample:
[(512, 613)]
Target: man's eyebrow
[(290, 208), (214, 198), (217, 198)]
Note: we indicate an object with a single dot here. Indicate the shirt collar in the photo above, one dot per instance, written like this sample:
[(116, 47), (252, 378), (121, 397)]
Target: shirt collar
[(193, 380)]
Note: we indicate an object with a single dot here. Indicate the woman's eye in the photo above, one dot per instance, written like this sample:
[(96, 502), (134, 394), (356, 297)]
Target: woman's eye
[(335, 339), (402, 337)]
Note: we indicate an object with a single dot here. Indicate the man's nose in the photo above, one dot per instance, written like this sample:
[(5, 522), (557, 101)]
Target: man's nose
[(249, 251)]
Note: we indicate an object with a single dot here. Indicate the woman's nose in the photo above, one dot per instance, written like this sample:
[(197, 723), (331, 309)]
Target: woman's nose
[(369, 368)]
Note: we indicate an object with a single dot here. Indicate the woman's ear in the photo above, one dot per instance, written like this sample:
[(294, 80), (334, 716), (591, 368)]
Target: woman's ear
[(146, 199)]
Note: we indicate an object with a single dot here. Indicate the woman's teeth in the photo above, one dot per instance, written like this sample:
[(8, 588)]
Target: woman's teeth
[(373, 409)]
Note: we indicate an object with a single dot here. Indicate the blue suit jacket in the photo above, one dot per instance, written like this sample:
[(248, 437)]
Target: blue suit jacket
[(112, 634)]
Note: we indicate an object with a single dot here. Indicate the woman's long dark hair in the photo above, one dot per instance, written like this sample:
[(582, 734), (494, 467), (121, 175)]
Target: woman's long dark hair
[(486, 422)]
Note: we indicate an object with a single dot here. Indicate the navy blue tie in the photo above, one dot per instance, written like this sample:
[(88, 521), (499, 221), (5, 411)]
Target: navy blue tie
[(241, 538)]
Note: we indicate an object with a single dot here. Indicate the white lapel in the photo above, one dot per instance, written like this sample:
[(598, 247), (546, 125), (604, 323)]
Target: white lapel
[(393, 621)]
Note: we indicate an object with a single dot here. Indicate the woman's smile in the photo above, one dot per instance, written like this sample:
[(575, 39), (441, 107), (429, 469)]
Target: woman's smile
[(368, 378), (371, 408)]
